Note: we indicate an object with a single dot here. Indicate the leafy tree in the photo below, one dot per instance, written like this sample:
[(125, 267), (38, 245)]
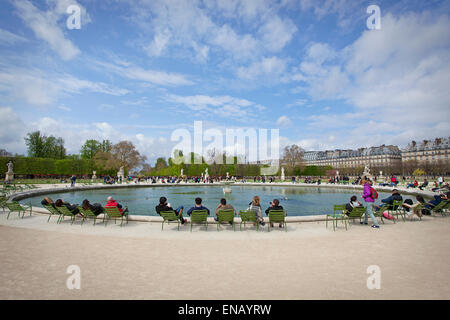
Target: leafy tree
[(41, 146), (106, 146), (160, 164), (90, 148), (35, 143)]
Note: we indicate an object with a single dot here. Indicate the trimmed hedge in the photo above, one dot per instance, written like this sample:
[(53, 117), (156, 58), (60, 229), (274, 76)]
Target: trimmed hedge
[(44, 166)]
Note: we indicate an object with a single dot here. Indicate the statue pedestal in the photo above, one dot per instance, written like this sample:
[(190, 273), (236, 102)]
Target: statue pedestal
[(9, 177)]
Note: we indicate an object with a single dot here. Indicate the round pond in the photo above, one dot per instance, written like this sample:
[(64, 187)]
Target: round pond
[(298, 201)]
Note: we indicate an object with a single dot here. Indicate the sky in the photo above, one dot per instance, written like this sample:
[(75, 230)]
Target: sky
[(139, 69)]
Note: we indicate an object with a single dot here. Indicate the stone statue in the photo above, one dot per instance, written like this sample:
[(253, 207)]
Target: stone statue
[(121, 174), (10, 174), (181, 174), (206, 173), (10, 166), (228, 175), (282, 174), (94, 175), (366, 172)]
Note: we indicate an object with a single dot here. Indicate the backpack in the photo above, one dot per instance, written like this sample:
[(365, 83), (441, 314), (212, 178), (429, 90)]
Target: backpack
[(373, 193)]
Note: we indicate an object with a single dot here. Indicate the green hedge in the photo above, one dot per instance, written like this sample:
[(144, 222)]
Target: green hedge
[(43, 166)]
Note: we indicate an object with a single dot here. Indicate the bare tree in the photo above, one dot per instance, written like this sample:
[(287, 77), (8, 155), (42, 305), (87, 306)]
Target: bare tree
[(123, 153), (293, 157)]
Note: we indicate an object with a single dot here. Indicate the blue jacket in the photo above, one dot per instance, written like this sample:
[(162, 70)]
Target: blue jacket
[(197, 208), (390, 200)]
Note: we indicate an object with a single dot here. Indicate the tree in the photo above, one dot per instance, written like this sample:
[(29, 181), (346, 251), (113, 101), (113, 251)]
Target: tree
[(90, 148), (293, 157), (160, 164), (106, 146), (41, 146), (35, 143), (125, 154)]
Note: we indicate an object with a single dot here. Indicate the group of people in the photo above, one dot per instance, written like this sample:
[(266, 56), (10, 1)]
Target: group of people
[(411, 209), (95, 208), (254, 205)]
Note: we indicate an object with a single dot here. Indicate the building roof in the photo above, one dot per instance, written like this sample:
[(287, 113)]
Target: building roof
[(361, 152), (428, 145)]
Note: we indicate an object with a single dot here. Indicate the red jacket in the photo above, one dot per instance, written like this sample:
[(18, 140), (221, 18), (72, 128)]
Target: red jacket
[(112, 204)]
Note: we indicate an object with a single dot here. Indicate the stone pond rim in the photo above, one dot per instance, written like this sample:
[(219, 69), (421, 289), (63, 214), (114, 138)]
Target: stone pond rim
[(33, 193)]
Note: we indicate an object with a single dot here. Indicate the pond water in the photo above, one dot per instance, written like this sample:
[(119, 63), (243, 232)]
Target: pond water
[(298, 201)]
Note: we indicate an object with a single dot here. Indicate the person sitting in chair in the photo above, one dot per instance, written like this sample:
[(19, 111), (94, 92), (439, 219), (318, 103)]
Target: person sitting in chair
[(198, 206), (274, 205), (96, 208), (111, 203), (48, 202), (164, 206), (410, 209), (224, 206), (352, 204), (390, 200), (72, 207)]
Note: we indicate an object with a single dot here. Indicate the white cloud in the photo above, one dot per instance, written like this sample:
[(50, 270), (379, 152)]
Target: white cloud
[(38, 87), (45, 27), (221, 106), (64, 108), (10, 38), (395, 75), (159, 43), (276, 33), (272, 67), (284, 121), (145, 75), (12, 130)]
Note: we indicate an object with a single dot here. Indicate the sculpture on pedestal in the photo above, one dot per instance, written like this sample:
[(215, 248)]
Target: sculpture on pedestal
[(121, 174), (9, 174)]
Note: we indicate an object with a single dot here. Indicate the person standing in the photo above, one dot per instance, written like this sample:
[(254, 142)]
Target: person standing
[(368, 198), (73, 179)]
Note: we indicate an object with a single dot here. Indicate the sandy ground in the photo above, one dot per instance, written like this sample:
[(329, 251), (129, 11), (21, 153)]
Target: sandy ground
[(139, 261)]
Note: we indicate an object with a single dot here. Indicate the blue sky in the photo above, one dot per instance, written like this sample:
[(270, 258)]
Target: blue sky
[(137, 70)]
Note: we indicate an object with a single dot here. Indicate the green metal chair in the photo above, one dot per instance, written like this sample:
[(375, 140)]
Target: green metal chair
[(17, 207), (417, 211), (440, 207), (53, 211), (379, 213), (397, 209), (356, 213), (338, 214), (3, 203), (248, 216), (226, 215), (277, 216), (87, 214), (169, 216), (65, 212), (114, 213), (199, 217)]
